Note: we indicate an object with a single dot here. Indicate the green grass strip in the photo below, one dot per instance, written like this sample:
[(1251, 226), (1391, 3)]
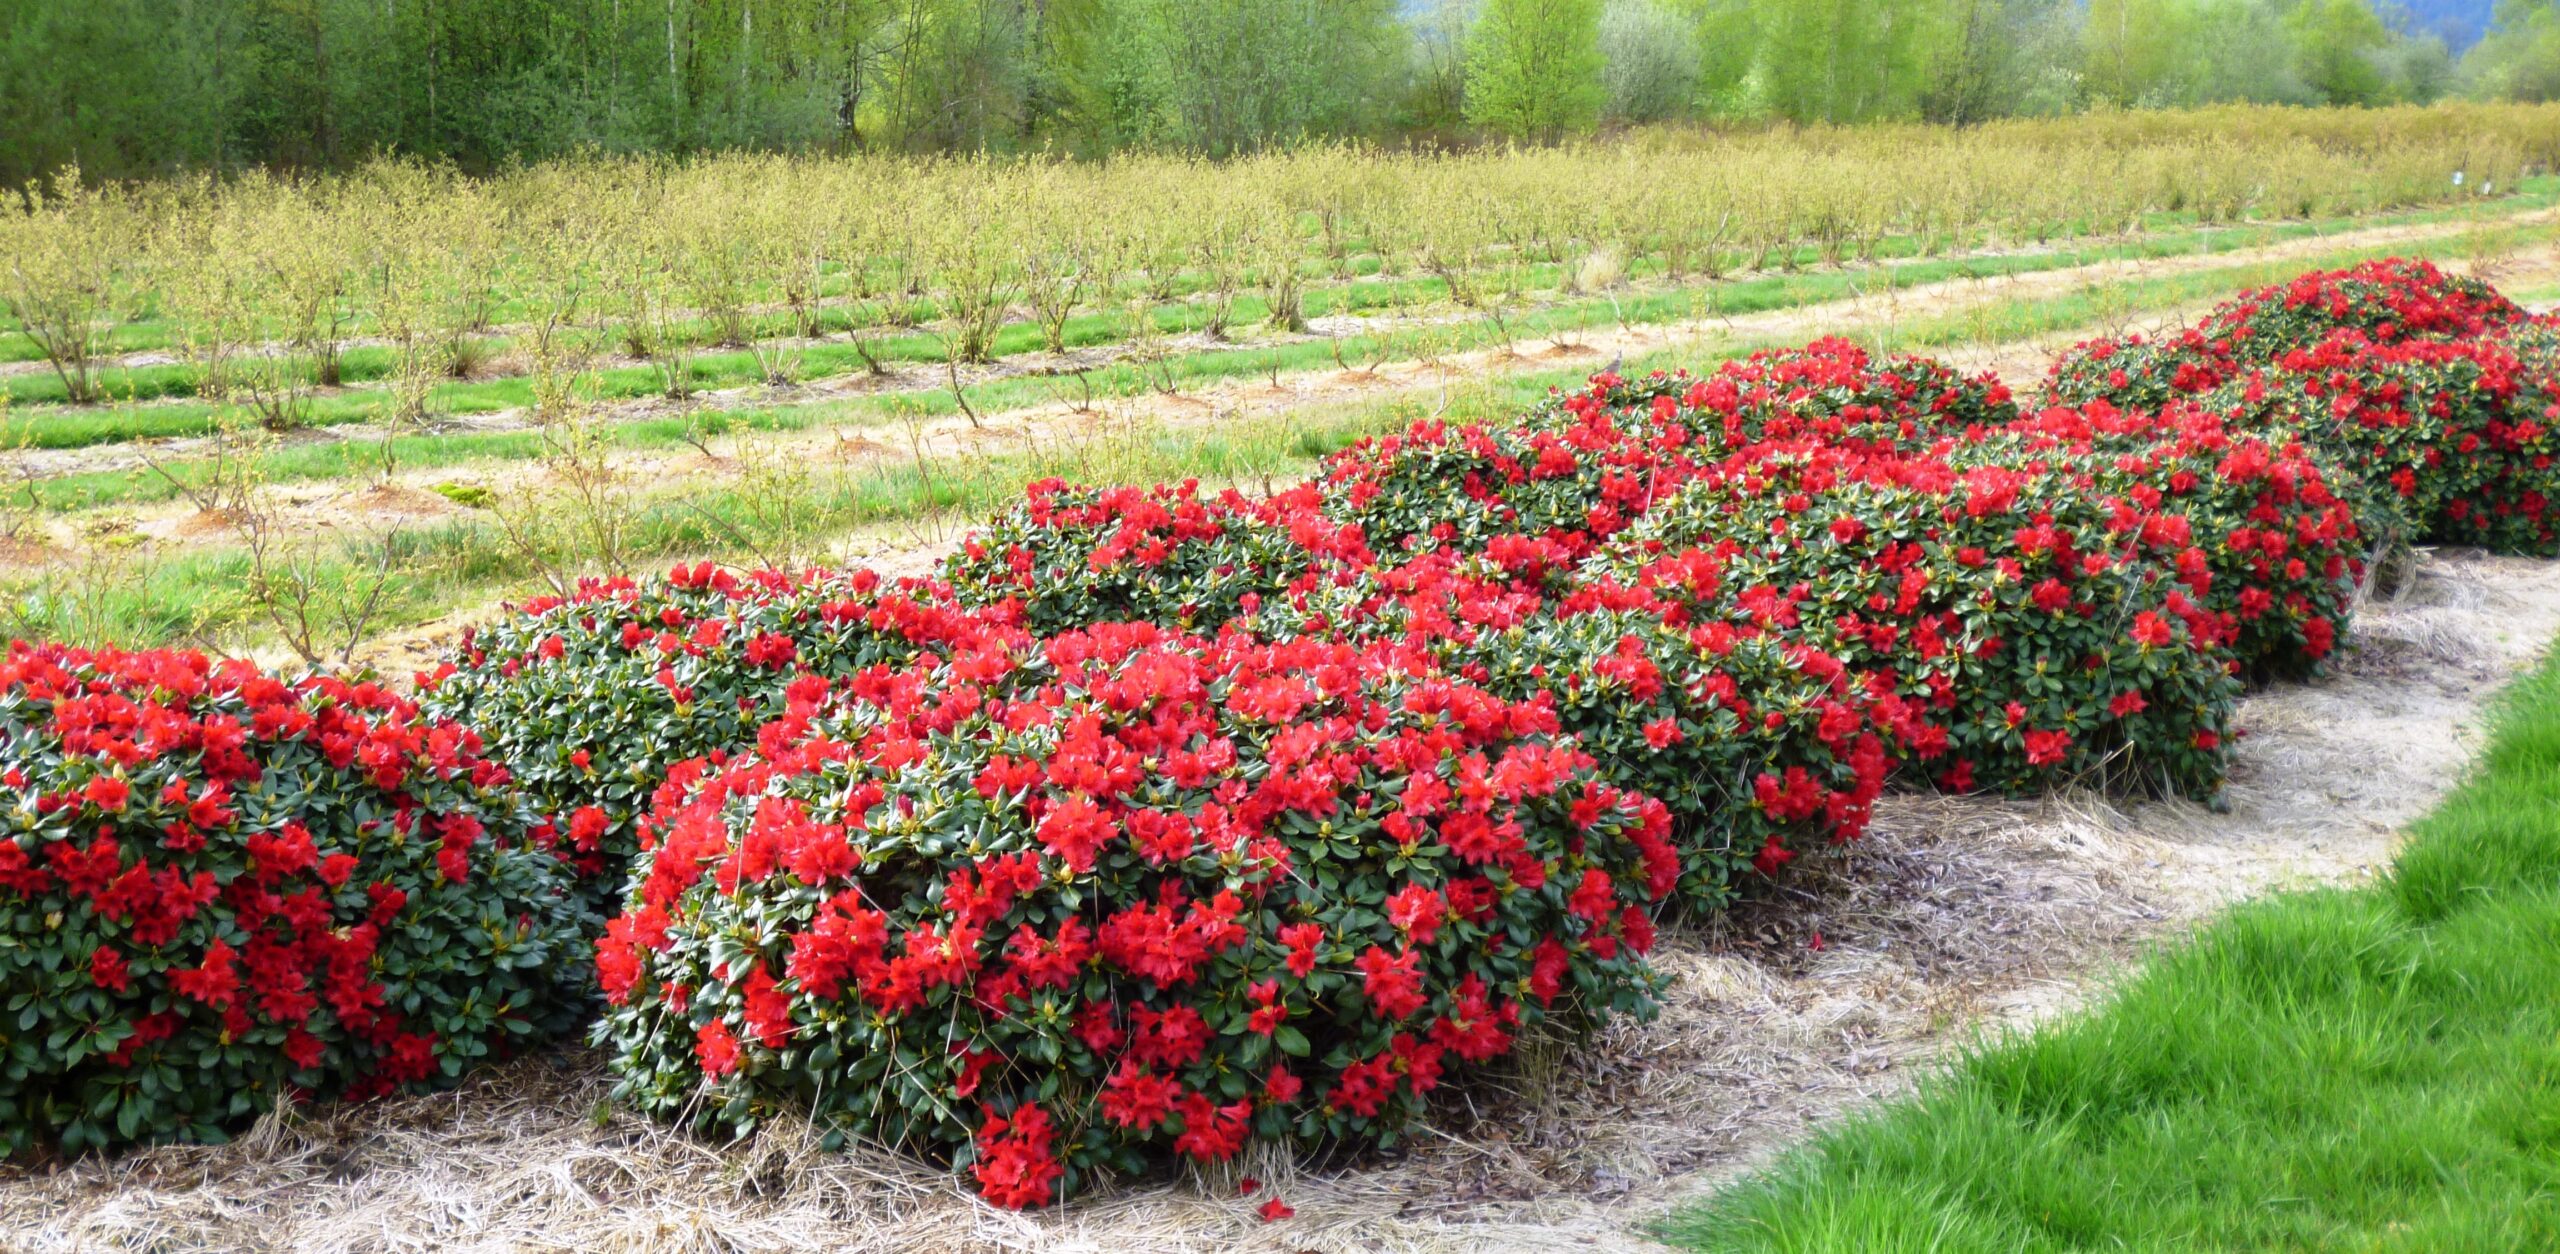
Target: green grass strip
[(2370, 1070)]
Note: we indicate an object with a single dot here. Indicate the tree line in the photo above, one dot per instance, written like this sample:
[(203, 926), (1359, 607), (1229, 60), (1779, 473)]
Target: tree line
[(138, 87)]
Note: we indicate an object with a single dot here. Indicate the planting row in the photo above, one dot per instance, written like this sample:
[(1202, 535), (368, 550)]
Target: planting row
[(1166, 821)]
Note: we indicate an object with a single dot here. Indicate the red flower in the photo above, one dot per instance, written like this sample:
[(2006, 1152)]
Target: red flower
[(717, 1048), (1075, 829), (2152, 631), (1173, 1037), (1212, 1133), (1275, 1210), (215, 982), (2045, 748), (107, 970), (586, 828), (1302, 939), (1016, 1166), (1134, 1097), (107, 793), (1393, 983), (1418, 911)]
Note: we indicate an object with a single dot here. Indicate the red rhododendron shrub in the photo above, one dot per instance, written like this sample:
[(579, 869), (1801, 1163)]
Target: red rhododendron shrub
[(1151, 897), (1569, 482), (1760, 748), (2019, 628), (2285, 553), (2391, 301), (2137, 373), (1075, 556), (2458, 433), (1578, 469), (2388, 301), (1830, 390), (217, 887), (589, 700)]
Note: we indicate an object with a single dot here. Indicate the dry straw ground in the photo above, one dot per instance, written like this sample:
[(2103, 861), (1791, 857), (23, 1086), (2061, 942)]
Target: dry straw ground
[(1955, 916)]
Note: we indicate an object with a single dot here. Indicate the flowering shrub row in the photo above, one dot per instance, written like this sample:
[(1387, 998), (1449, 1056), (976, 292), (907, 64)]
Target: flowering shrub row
[(2276, 526), (1137, 895), (218, 887), (1176, 819), (2459, 434), (2437, 392), (2019, 627), (2234, 544), (589, 701), (2391, 301)]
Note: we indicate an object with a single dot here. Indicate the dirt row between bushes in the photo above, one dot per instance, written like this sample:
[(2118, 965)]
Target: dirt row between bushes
[(1953, 917)]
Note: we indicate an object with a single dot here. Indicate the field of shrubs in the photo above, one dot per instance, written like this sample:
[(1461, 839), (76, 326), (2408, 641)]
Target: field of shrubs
[(404, 291), (1162, 822)]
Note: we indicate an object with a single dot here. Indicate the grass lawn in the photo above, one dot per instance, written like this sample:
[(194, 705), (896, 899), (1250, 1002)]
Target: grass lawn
[(2370, 1069)]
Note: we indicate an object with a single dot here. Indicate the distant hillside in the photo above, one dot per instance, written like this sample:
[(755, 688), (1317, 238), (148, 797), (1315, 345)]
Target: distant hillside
[(2459, 21)]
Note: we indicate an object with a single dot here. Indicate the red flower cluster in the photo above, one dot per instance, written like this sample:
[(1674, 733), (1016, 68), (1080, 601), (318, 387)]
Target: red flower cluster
[(1118, 898), (2459, 435), (2277, 529), (219, 885)]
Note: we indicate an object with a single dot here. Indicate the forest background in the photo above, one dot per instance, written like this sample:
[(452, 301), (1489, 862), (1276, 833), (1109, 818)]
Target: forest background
[(133, 88)]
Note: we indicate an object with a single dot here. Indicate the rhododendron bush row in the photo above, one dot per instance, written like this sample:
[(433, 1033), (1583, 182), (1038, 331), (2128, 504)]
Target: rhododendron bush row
[(217, 887), (1133, 891), (2436, 391), (1164, 821)]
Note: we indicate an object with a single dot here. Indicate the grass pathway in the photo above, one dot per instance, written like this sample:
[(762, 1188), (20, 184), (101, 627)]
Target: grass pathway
[(2352, 1069)]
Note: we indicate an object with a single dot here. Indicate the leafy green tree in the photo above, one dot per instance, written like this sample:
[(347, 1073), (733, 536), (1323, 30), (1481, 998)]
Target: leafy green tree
[(2134, 48), (2519, 59), (1650, 54), (1222, 76), (1728, 42), (1436, 66), (1987, 55), (2335, 44), (1848, 60), (2421, 69), (2238, 50), (957, 73), (118, 87), (1533, 68)]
